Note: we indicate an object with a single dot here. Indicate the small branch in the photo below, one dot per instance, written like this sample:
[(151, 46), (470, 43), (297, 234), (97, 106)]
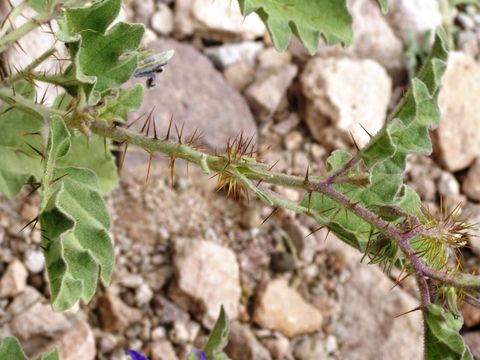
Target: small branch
[(13, 36), (10, 18)]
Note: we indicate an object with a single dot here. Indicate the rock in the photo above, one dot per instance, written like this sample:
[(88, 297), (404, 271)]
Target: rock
[(35, 324), (162, 20), (369, 302), (243, 345), (448, 185), (143, 9), (216, 20), (471, 212), (239, 75), (115, 315), (286, 126), (279, 346), (471, 314), (143, 295), (456, 144), (266, 93), (471, 183), (207, 276), (373, 37), (196, 94), (282, 261), (163, 350), (184, 332), (271, 58), (345, 93), (14, 280), (414, 17), (472, 339), (132, 281), (308, 348), (34, 261), (293, 140), (279, 307), (225, 55)]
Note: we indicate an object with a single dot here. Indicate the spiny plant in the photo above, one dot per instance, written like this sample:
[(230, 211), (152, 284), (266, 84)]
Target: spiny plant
[(361, 198)]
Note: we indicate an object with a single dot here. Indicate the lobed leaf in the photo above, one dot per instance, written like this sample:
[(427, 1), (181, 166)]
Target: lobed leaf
[(121, 103), (75, 225), (442, 338), (20, 135), (306, 19)]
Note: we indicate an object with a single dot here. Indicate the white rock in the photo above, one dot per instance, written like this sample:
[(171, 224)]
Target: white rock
[(229, 54), (143, 295), (34, 261), (163, 350), (414, 16), (448, 185), (207, 277), (132, 281), (279, 307), (345, 93), (457, 143), (143, 9), (373, 37), (471, 183), (14, 280), (162, 20), (216, 20)]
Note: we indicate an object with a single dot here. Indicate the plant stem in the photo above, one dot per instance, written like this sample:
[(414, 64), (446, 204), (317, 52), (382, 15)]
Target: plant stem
[(12, 37), (12, 15), (28, 69)]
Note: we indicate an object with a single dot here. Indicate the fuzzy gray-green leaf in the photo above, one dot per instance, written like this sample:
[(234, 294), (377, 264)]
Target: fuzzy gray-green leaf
[(218, 337), (75, 225)]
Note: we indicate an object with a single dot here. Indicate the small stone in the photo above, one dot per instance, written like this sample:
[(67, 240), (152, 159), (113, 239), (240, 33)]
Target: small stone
[(345, 93), (159, 333), (308, 348), (279, 346), (267, 92), (143, 10), (455, 143), (279, 307), (143, 295), (184, 332), (226, 55), (448, 185), (293, 140), (282, 262), (286, 126), (115, 314), (163, 350), (162, 20), (270, 58), (239, 75), (465, 21), (471, 314), (108, 343), (331, 344), (207, 278), (14, 280), (132, 281), (414, 17), (34, 261), (242, 344), (471, 183)]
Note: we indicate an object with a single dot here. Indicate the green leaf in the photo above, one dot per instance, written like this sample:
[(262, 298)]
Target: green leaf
[(218, 338), (20, 135), (97, 17), (10, 349), (121, 103), (306, 19), (43, 7), (442, 338), (75, 225), (383, 5)]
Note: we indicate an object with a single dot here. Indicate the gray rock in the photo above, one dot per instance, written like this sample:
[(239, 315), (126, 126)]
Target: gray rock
[(373, 37), (143, 10), (266, 93), (207, 277), (309, 348), (279, 307), (115, 314), (243, 345), (369, 303), (239, 75), (225, 55), (14, 280), (414, 17), (196, 95), (456, 144), (448, 185), (343, 93), (471, 183)]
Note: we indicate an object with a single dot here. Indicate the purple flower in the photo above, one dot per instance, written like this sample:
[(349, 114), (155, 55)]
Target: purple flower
[(135, 355), (200, 354)]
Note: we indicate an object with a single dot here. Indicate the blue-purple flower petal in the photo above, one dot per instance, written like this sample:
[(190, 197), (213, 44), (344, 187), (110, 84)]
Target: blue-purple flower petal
[(135, 355), (200, 354)]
